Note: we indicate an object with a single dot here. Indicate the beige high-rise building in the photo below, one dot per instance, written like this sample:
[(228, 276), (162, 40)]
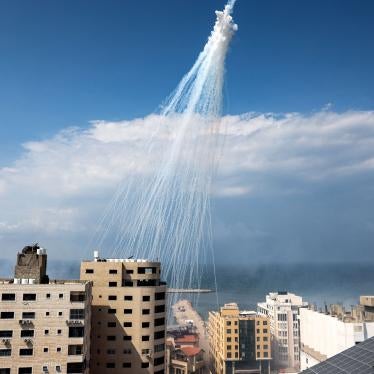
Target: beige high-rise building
[(239, 341), (44, 325), (128, 316)]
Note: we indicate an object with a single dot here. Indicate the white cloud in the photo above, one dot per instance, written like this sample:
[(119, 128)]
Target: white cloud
[(60, 184)]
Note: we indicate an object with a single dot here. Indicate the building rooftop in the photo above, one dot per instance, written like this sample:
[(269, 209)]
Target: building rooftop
[(359, 360), (192, 338), (191, 351)]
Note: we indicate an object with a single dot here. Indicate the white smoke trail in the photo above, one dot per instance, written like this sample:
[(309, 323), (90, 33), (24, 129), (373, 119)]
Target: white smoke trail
[(166, 215)]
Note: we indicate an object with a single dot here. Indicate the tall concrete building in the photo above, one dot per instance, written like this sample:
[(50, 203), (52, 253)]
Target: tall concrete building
[(323, 335), (282, 309), (128, 316), (44, 325), (239, 342)]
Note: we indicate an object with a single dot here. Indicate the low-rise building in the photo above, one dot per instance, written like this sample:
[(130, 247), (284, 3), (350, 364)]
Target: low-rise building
[(44, 325), (183, 355), (282, 309), (325, 334), (239, 341)]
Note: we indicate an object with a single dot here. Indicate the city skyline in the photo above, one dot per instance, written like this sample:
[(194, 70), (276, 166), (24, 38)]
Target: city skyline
[(296, 172)]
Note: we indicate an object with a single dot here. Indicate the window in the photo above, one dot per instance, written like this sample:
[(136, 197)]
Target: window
[(228, 340), (128, 298), (45, 349), (145, 338), (158, 361), (228, 347), (228, 331), (25, 370), (76, 367), (75, 350), (265, 323), (112, 284), (60, 314), (58, 369), (146, 270), (46, 314), (127, 311), (146, 298), (265, 331), (112, 297), (159, 372), (126, 365), (27, 333), (112, 324), (77, 296), (110, 365), (46, 332), (127, 351), (146, 311), (29, 296), (159, 321), (228, 354), (4, 370), (61, 296), (159, 308), (159, 347), (112, 311), (145, 365), (159, 335), (48, 295), (111, 338), (228, 323), (6, 315), (76, 313), (89, 271), (129, 271), (76, 332), (127, 324), (110, 351), (28, 315), (145, 324), (6, 333), (59, 332), (127, 283), (266, 354), (8, 297), (112, 271), (5, 352), (127, 337), (26, 352), (160, 296)]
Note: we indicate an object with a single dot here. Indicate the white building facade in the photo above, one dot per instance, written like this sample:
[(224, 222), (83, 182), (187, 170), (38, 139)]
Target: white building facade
[(282, 308), (324, 335)]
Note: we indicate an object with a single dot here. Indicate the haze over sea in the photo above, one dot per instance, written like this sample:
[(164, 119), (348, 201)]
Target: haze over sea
[(247, 285)]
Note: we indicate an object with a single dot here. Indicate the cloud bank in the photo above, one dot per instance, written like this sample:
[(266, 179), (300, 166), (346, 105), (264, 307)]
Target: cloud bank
[(279, 180)]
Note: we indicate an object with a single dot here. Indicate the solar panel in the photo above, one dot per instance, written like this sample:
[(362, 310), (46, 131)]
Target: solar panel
[(356, 360)]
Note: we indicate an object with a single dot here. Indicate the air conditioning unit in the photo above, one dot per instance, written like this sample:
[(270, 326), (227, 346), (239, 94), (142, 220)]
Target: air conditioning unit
[(45, 369), (28, 341), (6, 341)]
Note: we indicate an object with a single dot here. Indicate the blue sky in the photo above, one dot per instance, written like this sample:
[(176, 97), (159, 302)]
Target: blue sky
[(66, 63), (305, 189)]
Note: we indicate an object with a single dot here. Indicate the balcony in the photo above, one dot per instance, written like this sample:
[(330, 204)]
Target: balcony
[(74, 322), (26, 322)]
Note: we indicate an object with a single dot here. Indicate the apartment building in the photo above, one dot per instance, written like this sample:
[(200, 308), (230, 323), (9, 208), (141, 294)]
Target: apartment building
[(282, 309), (325, 334), (128, 315), (44, 325), (239, 341)]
